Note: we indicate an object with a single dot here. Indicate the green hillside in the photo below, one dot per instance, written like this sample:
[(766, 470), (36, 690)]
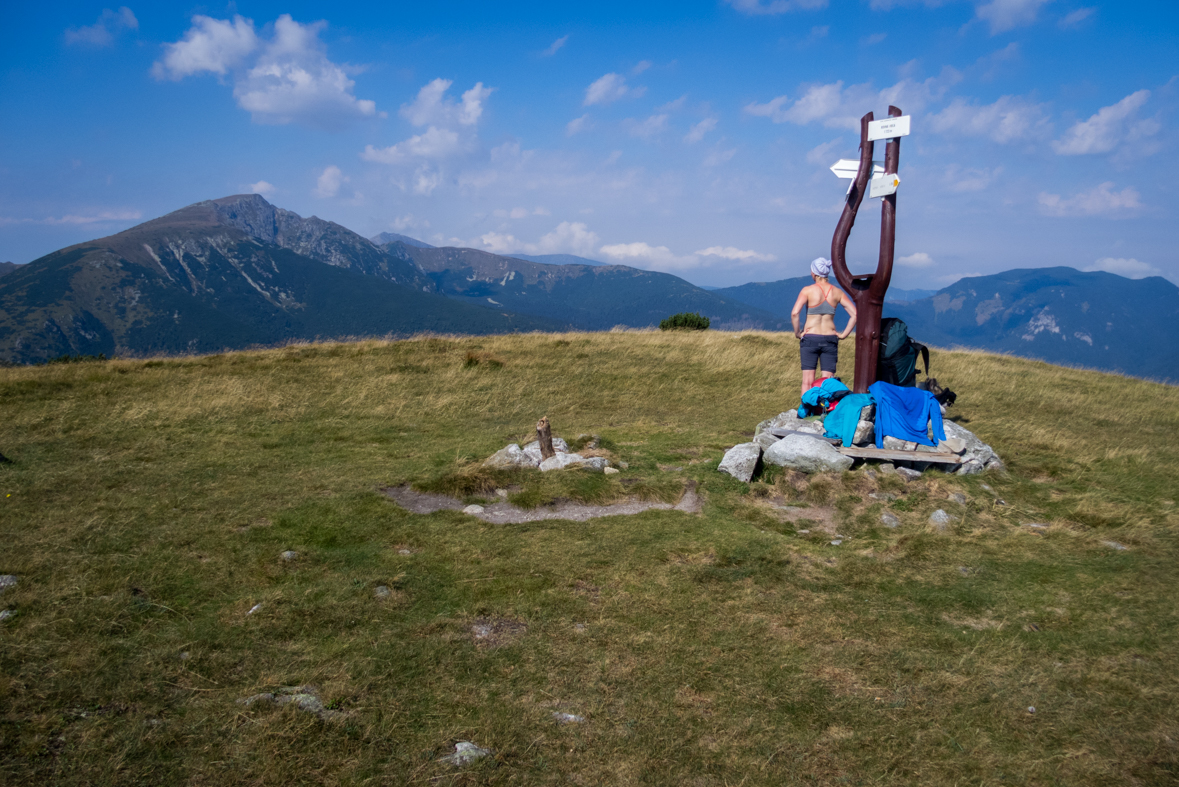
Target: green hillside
[(148, 504)]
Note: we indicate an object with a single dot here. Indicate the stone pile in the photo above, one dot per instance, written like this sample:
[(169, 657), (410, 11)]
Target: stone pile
[(792, 442), (529, 456)]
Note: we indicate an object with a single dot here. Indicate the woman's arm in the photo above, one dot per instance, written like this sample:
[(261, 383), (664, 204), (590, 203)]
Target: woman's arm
[(794, 314), (850, 306)]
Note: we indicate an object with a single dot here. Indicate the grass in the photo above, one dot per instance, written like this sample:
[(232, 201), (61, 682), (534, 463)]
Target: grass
[(149, 502)]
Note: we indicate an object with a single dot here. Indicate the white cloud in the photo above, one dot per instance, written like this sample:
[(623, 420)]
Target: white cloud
[(1074, 18), (735, 254), (641, 66), (329, 182), (291, 79), (875, 38), (1009, 119), (1130, 268), (610, 88), (674, 106), (566, 238), (434, 143), (822, 154), (643, 255), (552, 50), (970, 179), (101, 217), (433, 107), (425, 181), (213, 45), (1003, 15), (577, 125), (698, 131), (839, 107), (1101, 200), (918, 260), (102, 33), (718, 157), (774, 7), (649, 128), (262, 187), (408, 222), (1110, 127)]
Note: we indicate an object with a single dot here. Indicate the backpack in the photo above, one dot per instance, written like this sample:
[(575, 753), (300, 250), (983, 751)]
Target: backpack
[(897, 362)]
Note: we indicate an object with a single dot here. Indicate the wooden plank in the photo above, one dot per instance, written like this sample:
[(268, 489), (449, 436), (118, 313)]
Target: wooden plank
[(901, 456)]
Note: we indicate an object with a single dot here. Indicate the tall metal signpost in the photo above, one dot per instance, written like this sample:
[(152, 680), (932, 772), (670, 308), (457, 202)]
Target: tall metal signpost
[(867, 290)]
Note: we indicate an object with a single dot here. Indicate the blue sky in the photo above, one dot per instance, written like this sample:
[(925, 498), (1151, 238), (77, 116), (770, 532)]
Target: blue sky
[(693, 138)]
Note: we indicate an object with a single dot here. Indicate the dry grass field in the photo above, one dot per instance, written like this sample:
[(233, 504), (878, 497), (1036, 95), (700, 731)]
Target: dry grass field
[(149, 503)]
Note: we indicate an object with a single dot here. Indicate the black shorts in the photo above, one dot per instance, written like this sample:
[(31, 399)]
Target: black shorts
[(819, 352)]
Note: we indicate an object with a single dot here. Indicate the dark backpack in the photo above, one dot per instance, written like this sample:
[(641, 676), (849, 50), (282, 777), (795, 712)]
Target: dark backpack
[(897, 362)]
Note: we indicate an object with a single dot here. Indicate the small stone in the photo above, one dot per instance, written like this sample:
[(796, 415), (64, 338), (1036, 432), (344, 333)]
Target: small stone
[(888, 468), (289, 555), (255, 608), (1114, 545), (1036, 525), (511, 456), (5, 614), (1031, 709), (624, 465), (870, 474), (987, 487), (940, 519), (465, 753), (958, 498), (890, 519), (1000, 501), (804, 532), (501, 493), (568, 718), (837, 542), (473, 510), (561, 461), (885, 496), (7, 581), (579, 627), (596, 464), (906, 473), (382, 591), (611, 471), (184, 655)]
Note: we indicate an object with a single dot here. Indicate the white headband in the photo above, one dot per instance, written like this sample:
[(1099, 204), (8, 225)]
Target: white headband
[(821, 267)]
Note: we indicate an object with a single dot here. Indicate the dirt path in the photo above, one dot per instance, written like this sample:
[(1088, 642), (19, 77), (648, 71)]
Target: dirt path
[(504, 513)]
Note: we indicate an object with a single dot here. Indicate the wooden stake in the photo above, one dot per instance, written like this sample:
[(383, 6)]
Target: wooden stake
[(544, 434)]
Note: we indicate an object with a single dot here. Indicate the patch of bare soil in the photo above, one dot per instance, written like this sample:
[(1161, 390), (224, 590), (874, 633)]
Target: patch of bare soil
[(504, 513), (496, 632), (810, 517)]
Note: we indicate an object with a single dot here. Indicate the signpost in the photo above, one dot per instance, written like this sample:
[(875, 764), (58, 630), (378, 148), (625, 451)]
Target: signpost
[(867, 290)]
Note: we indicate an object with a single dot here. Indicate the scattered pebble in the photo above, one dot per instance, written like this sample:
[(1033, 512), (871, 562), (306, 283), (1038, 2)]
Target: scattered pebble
[(837, 542), (1000, 501), (1031, 709), (305, 698), (1036, 525), (5, 614), (987, 487), (579, 627), (624, 465), (501, 493), (473, 509), (568, 718), (804, 532), (7, 581), (405, 551), (465, 753), (1114, 545), (382, 591), (905, 472), (289, 555), (890, 519), (888, 468), (958, 498), (255, 608), (184, 655), (611, 471)]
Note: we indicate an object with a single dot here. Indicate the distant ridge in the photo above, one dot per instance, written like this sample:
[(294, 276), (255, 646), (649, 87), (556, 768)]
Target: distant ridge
[(557, 259), (393, 237), (7, 267)]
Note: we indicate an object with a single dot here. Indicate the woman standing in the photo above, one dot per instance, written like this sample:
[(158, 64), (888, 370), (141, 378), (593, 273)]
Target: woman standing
[(819, 345)]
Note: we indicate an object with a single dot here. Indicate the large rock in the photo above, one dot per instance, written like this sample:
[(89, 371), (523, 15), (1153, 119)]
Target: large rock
[(789, 420), (865, 433), (741, 461), (977, 456), (510, 456), (560, 461), (807, 454), (533, 449), (765, 440)]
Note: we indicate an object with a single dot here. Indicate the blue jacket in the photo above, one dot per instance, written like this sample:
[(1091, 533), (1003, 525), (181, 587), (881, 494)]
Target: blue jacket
[(818, 397), (905, 413), (843, 420)]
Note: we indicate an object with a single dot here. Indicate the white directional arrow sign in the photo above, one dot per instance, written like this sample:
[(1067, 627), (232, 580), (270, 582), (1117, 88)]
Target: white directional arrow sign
[(882, 187), (888, 128), (847, 168)]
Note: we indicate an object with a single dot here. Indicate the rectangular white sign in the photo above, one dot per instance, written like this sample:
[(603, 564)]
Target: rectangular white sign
[(847, 168), (888, 128), (882, 187)]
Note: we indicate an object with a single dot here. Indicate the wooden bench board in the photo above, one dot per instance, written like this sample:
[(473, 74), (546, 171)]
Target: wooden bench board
[(901, 456)]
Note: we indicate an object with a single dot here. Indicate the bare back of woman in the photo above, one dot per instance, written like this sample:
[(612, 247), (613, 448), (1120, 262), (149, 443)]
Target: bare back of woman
[(819, 338)]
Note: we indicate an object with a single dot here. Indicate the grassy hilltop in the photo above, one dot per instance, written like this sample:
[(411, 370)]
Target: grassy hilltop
[(149, 503)]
